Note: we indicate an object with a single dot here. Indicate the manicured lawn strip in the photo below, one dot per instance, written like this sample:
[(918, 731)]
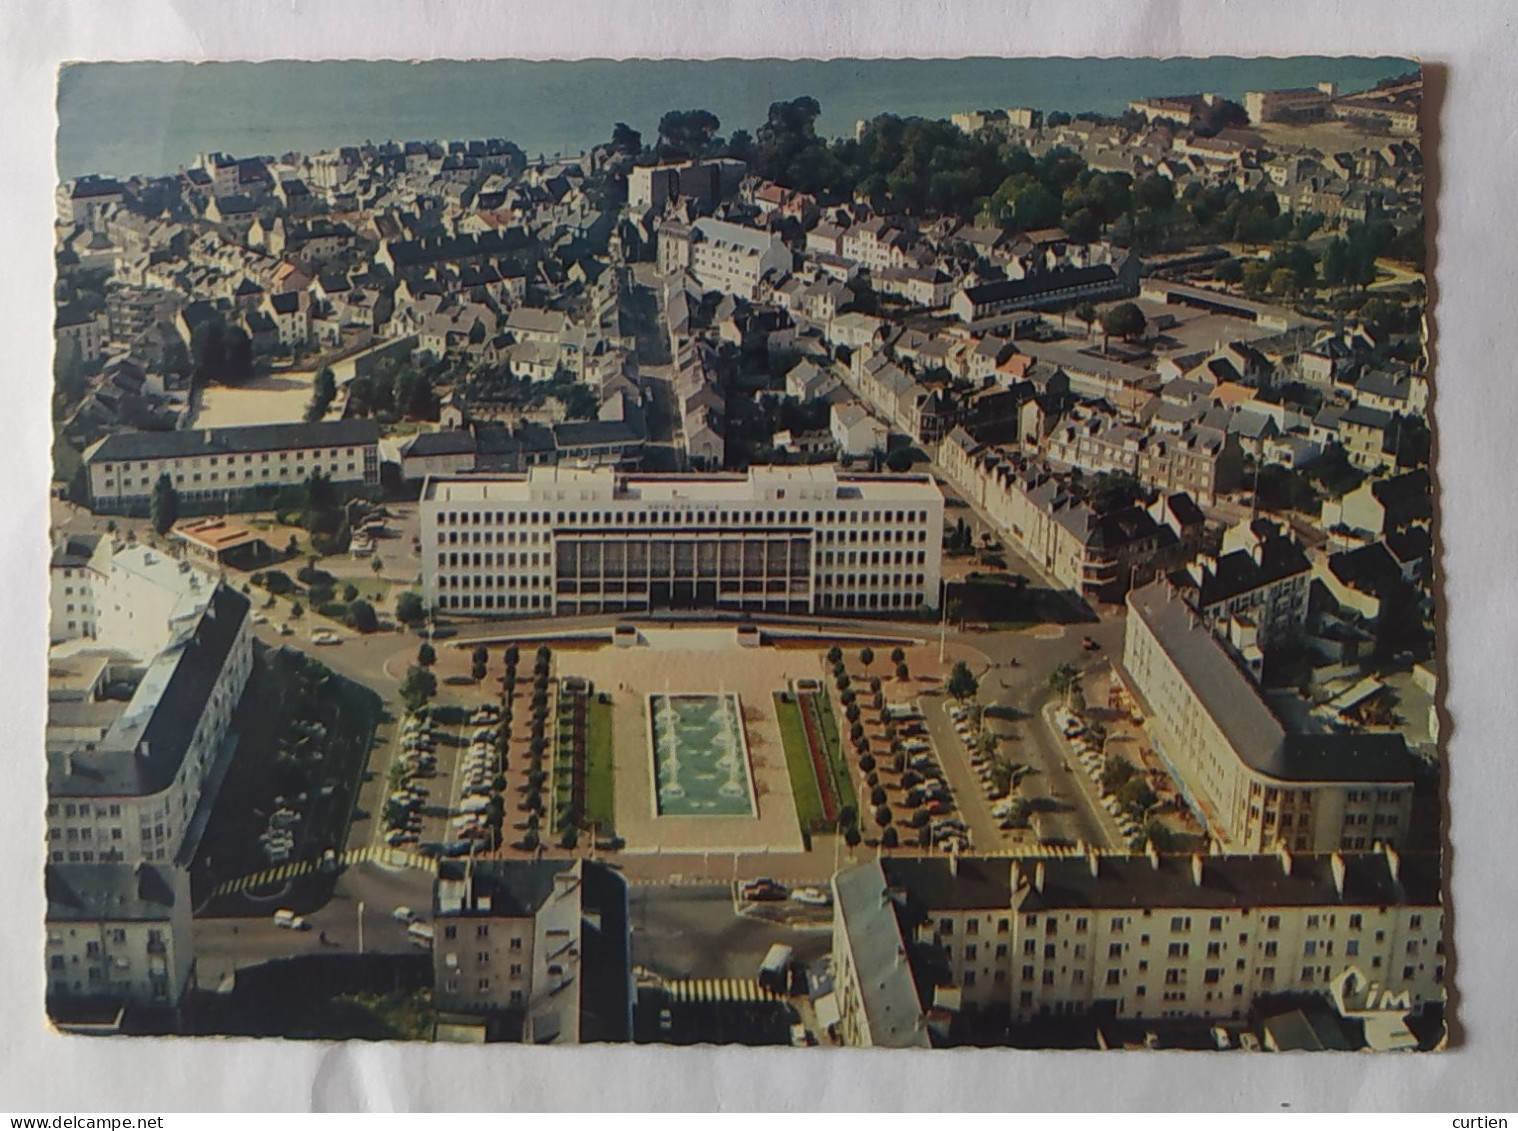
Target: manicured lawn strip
[(843, 784), (599, 808), (798, 761)]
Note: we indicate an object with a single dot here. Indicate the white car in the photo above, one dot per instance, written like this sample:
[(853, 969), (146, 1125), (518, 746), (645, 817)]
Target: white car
[(812, 897), (403, 915), (325, 636)]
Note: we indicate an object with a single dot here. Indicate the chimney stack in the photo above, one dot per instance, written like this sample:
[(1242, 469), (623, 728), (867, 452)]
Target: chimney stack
[(1393, 863), (1285, 854), (1336, 864), (1038, 877), (1094, 860), (1196, 869), (1153, 854)]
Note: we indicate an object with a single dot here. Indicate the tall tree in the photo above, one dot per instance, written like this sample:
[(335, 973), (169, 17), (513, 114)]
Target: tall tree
[(1065, 679), (625, 139), (418, 688), (323, 392), (1125, 320), (961, 682), (686, 133), (165, 506)]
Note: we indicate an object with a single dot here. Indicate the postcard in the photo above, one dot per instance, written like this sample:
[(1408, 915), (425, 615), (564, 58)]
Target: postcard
[(896, 553)]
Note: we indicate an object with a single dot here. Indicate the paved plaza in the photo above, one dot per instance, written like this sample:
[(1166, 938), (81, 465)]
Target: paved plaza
[(685, 662)]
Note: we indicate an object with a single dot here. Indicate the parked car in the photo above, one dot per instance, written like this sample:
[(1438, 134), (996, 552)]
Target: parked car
[(403, 915), (1089, 644), (288, 919), (763, 891), (325, 636), (812, 897)]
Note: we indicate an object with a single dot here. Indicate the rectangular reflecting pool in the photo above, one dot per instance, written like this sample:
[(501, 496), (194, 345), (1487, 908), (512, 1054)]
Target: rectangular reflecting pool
[(700, 753)]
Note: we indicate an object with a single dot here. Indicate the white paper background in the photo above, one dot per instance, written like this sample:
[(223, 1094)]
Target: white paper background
[(1471, 156)]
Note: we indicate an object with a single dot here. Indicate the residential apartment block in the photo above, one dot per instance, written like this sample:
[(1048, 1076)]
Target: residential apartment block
[(1262, 576), (138, 714), (919, 943), (537, 949), (1099, 555), (141, 693), (1204, 462), (222, 463), (117, 933), (776, 539), (725, 257), (1253, 783), (702, 182)]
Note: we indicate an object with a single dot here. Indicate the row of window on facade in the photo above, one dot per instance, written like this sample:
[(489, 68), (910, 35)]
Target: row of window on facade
[(489, 601), (489, 558), (214, 477), (212, 461), (488, 537), (1179, 924)]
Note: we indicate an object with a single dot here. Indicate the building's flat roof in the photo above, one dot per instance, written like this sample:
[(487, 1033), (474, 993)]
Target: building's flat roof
[(809, 484), (215, 534)]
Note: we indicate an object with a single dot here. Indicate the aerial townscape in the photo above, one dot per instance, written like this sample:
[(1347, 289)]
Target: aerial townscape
[(964, 583)]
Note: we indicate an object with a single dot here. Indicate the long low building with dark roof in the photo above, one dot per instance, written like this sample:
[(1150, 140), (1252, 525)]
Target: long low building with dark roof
[(226, 463), (922, 946), (1254, 784)]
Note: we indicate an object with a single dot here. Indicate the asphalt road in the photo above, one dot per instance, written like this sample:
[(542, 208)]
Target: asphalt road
[(223, 944), (697, 931)]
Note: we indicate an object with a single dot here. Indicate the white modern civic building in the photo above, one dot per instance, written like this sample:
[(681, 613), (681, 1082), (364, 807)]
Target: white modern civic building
[(563, 542)]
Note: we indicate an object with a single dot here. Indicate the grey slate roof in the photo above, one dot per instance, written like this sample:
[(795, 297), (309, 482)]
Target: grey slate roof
[(115, 767), (119, 893), (580, 433), (1007, 290), (1238, 572), (517, 888), (1231, 699), (892, 1006), (239, 440), (450, 442), (1133, 882)]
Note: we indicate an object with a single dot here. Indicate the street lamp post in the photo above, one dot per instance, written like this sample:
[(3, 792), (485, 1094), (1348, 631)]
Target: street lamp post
[(361, 926)]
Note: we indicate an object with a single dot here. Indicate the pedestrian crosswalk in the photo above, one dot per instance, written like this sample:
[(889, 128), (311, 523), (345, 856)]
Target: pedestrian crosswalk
[(295, 869), (718, 990)]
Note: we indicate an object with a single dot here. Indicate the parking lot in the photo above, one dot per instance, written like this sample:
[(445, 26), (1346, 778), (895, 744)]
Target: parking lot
[(439, 782)]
